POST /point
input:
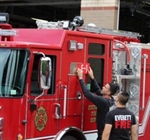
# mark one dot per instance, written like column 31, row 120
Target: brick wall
column 103, row 13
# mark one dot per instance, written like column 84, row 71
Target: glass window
column 35, row 88
column 96, row 49
column 13, row 69
column 97, row 65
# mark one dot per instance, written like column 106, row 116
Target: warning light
column 4, row 17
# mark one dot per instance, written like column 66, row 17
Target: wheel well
column 77, row 134
column 71, row 131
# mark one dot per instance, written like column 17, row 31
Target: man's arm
column 94, row 85
column 106, row 132
column 98, row 101
column 134, row 132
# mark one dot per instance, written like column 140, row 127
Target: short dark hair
column 123, row 97
column 114, row 88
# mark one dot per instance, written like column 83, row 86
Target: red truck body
column 61, row 112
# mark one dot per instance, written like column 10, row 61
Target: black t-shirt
column 97, row 99
column 121, row 120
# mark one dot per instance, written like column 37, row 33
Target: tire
column 67, row 137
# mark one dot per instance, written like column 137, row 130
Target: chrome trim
column 1, row 135
column 1, row 123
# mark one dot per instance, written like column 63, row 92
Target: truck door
column 41, row 119
column 13, row 71
column 71, row 99
column 98, row 55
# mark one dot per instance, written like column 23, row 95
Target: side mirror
column 45, row 72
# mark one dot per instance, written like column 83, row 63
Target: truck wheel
column 67, row 137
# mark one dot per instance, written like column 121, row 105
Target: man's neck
column 107, row 96
column 120, row 105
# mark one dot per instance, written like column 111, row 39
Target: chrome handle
column 57, row 111
column 145, row 56
column 65, row 101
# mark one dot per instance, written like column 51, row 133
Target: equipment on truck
column 40, row 95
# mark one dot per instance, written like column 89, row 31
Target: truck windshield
column 13, row 68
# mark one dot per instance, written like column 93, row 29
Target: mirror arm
column 39, row 96
column 35, row 52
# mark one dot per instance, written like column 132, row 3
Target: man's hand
column 79, row 73
column 90, row 72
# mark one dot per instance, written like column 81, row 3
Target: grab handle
column 65, row 101
column 145, row 56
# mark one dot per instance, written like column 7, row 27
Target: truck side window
column 13, row 69
column 97, row 65
column 35, row 88
column 95, row 51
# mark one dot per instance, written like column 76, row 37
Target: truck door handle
column 57, row 111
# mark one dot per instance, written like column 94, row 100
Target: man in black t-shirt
column 120, row 123
column 103, row 99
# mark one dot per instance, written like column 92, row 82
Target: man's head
column 122, row 97
column 114, row 88
column 110, row 89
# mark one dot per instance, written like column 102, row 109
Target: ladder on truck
column 99, row 30
column 93, row 29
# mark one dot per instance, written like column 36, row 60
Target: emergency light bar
column 4, row 32
column 41, row 24
column 4, row 17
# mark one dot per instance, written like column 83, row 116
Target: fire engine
column 40, row 95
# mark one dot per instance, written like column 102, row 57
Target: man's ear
column 108, row 93
column 116, row 98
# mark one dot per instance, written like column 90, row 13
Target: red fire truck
column 40, row 95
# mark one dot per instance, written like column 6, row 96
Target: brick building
column 103, row 13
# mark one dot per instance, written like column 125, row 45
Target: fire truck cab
column 40, row 95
